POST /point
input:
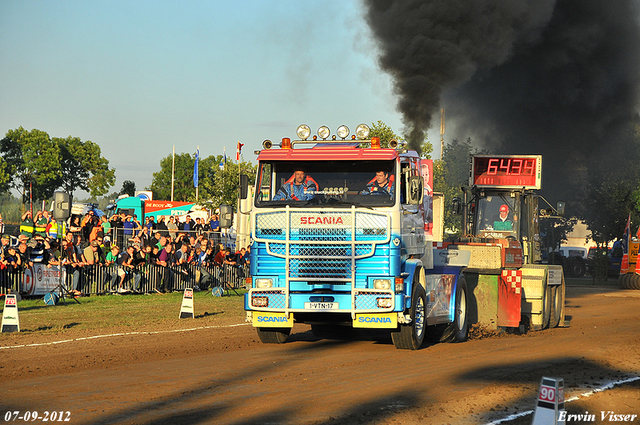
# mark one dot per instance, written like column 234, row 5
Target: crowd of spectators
column 172, row 246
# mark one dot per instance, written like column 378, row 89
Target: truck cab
column 339, row 241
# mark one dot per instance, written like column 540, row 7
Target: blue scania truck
column 340, row 240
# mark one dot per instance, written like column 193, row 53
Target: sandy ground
column 224, row 375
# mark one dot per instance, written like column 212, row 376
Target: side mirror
column 416, row 190
column 226, row 216
column 456, row 206
column 244, row 186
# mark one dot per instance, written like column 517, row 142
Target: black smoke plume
column 557, row 78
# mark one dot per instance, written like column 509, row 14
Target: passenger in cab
column 381, row 184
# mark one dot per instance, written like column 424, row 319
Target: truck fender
column 409, row 270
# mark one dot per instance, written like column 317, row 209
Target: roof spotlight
column 303, row 132
column 343, row 132
column 324, row 132
column 362, row 131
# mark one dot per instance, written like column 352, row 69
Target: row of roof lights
column 362, row 132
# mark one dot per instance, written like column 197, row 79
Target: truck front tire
column 411, row 335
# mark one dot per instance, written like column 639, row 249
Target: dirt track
column 224, row 375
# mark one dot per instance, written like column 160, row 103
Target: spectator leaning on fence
column 90, row 254
column 165, row 260
column 72, row 262
column 38, row 253
column 5, row 241
column 12, row 260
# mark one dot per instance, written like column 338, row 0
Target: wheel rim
column 419, row 319
column 462, row 311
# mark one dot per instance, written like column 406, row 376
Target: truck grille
column 320, row 244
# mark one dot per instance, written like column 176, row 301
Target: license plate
column 321, row 306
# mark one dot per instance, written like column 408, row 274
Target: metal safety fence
column 99, row 279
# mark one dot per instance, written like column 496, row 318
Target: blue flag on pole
column 223, row 160
column 195, row 169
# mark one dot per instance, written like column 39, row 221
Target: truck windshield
column 310, row 184
column 497, row 216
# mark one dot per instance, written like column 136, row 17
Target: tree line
column 35, row 165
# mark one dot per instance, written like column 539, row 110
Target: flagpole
column 197, row 158
column 173, row 170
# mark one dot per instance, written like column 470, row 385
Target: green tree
column 128, row 188
column 611, row 192
column 449, row 175
column 223, row 188
column 31, row 158
column 183, row 189
column 426, row 149
column 83, row 167
column 384, row 132
column 215, row 185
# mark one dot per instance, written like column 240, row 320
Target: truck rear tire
column 557, row 302
column 273, row 335
column 410, row 336
column 458, row 330
column 621, row 281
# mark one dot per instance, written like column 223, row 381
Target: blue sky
column 139, row 77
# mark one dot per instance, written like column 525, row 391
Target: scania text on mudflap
column 341, row 238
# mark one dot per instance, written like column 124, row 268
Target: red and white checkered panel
column 514, row 278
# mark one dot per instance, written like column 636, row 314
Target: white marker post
column 186, row 310
column 10, row 320
column 550, row 402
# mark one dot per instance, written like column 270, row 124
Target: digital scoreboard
column 506, row 171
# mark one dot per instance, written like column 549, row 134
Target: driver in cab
column 503, row 223
column 299, row 187
column 381, row 184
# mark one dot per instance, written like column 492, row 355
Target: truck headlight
column 362, row 131
column 324, row 132
column 264, row 282
column 343, row 132
column 382, row 284
column 303, row 132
